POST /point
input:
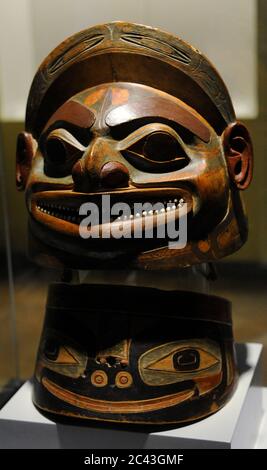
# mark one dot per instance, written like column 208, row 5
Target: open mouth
column 61, row 210
column 114, row 407
column 70, row 214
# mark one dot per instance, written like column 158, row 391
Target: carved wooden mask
column 136, row 113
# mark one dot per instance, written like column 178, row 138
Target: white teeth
column 71, row 214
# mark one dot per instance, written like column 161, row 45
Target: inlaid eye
column 60, row 150
column 157, row 152
column 56, row 151
column 51, row 349
column 161, row 147
column 186, row 359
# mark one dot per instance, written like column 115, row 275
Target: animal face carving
column 144, row 367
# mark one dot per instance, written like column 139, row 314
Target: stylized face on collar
column 144, row 367
column 136, row 144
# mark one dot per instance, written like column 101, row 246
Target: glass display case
column 238, row 49
column 9, row 361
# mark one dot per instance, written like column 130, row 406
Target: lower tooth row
column 57, row 215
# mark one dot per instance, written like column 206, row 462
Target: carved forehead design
column 114, row 104
column 74, row 113
column 119, row 94
column 125, row 52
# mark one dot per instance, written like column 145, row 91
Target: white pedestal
column 235, row 426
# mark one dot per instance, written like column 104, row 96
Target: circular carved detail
column 123, row 380
column 99, row 378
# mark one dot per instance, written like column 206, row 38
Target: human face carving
column 136, row 144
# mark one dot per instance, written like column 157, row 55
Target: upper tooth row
column 59, row 207
column 170, row 207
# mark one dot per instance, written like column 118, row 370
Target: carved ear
column 26, row 147
column 239, row 154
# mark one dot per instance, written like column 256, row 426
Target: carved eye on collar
column 179, row 361
column 60, row 150
column 61, row 356
column 157, row 152
column 51, row 349
column 187, row 359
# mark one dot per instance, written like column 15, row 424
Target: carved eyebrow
column 74, row 113
column 159, row 108
column 123, row 130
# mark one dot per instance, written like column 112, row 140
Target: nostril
column 77, row 174
column 114, row 174
column 77, row 170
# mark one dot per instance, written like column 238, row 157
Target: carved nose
column 114, row 175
